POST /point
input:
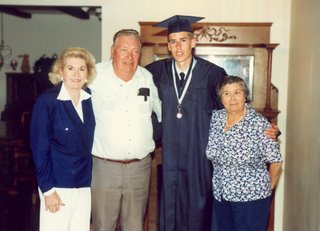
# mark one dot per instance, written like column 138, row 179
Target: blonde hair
column 76, row 52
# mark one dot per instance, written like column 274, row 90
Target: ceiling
column 26, row 12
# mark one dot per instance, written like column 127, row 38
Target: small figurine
column 25, row 67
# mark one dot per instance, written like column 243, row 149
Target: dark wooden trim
column 15, row 12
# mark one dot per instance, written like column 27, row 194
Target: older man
column 124, row 97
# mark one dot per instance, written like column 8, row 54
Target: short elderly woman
column 62, row 131
column 240, row 152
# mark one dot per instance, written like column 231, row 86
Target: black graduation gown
column 186, row 198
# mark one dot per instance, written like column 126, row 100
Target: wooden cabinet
column 22, row 91
column 21, row 88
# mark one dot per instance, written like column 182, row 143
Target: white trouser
column 73, row 216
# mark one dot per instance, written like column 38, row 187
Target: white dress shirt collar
column 64, row 94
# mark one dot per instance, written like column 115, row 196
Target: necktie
column 181, row 82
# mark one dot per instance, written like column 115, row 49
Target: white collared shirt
column 64, row 96
column 123, row 118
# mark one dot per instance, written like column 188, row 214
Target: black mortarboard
column 178, row 23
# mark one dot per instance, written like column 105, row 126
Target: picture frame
column 238, row 65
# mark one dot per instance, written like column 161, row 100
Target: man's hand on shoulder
column 273, row 132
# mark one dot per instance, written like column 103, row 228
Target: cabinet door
column 21, row 88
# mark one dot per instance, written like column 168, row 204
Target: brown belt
column 118, row 161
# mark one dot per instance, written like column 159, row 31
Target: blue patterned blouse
column 239, row 157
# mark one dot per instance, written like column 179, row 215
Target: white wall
column 302, row 181
column 118, row 14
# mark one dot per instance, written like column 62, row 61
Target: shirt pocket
column 66, row 136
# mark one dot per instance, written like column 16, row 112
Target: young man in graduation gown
column 187, row 87
column 186, row 200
